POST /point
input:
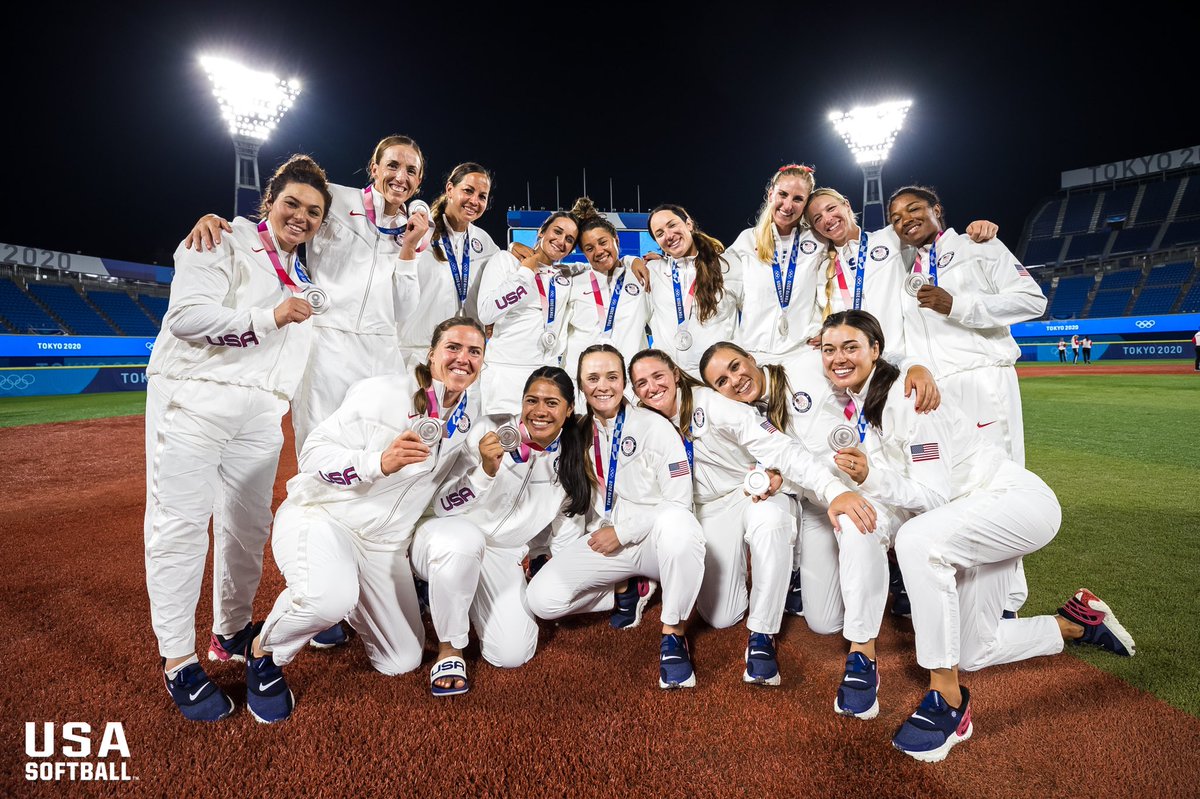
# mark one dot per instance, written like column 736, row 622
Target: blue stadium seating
column 1155, row 300
column 157, row 306
column 72, row 309
column 1109, row 303
column 1047, row 217
column 1156, row 202
column 131, row 319
column 1189, row 204
column 1136, row 239
column 22, row 312
column 1070, row 296
column 1169, row 274
column 1191, row 300
column 1043, row 251
column 1182, row 232
column 1117, row 203
column 1087, row 245
column 1078, row 218
column 1126, row 279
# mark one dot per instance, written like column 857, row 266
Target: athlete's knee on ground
column 510, row 651
column 547, row 597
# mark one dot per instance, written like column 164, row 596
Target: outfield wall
column 1118, row 338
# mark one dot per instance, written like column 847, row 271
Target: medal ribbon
column 611, row 483
column 264, row 235
column 369, row 207
column 549, row 306
column 783, row 289
column 861, row 422
column 612, row 301
column 452, row 421
column 932, row 261
column 682, row 311
column 521, row 453
column 860, row 272
column 461, row 279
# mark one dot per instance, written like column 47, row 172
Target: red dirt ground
column 1112, row 368
column 584, row 718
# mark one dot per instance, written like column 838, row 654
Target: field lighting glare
column 251, row 102
column 870, row 131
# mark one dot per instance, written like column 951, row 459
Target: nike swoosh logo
column 985, row 424
column 754, row 652
column 671, row 658
column 262, row 686
column 356, row 213
column 854, row 679
column 192, row 697
column 260, row 249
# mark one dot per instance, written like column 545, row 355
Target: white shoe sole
column 939, row 754
column 1114, row 626
column 690, row 682
column 866, row 715
column 746, row 678
column 260, row 720
column 214, row 657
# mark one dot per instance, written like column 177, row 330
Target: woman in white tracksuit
column 978, row 512
column 233, row 346
column 341, row 537
column 487, row 513
column 449, row 270
column 696, row 288
column 526, row 303
column 365, row 260
column 640, row 522
column 726, row 441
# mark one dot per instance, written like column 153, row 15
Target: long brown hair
column 438, row 210
column 885, row 372
column 683, row 380
column 710, row 283
column 780, row 394
column 422, row 371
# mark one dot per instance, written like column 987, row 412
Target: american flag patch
column 770, row 428
column 679, row 469
column 924, row 452
column 1022, row 271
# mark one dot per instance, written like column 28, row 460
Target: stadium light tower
column 869, row 133
column 252, row 103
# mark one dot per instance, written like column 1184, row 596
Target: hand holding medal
column 405, row 449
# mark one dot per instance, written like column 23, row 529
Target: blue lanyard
column 933, row 262
column 678, row 291
column 461, row 281
column 552, row 308
column 453, row 420
column 516, row 453
column 612, row 303
column 689, row 445
column 300, row 273
column 860, row 270
column 369, row 207
column 610, row 482
column 783, row 290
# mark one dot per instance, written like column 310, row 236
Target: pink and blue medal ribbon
column 264, row 235
column 454, row 418
column 610, row 482
column 861, row 422
column 612, row 300
column 369, row 207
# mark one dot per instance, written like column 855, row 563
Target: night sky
column 114, row 145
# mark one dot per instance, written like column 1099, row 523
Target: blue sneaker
column 233, row 647
column 675, row 663
column 900, row 604
column 934, row 728
column 1100, row 626
column 858, row 695
column 794, row 604
column 631, row 602
column 329, row 638
column 196, row 696
column 422, row 587
column 1008, row 614
column 762, row 668
column 268, row 697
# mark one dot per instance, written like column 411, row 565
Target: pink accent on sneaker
column 215, row 650
column 965, row 724
column 643, row 586
column 1079, row 608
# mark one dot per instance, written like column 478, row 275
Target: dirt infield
column 1105, row 368
column 584, row 718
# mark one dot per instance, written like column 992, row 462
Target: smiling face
column 457, row 357
column 656, row 385
column 295, row 215
column 396, row 175
column 787, row 200
column 915, row 221
column 544, row 411
column 468, row 199
column 602, row 380
column 600, row 247
column 848, row 357
column 673, row 234
column 557, row 239
column 734, row 375
column 832, row 219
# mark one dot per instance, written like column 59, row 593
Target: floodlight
column 869, row 133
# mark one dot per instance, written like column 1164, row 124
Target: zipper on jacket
column 517, row 501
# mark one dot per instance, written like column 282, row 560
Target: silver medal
column 429, row 431
column 683, row 341
column 783, row 326
column 757, row 482
column 510, row 437
column 547, row 341
column 913, row 283
column 607, row 522
column 842, row 436
column 316, row 298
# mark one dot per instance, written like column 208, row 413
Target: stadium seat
column 1080, row 208
column 1169, row 274
column 1087, row 245
column 1109, row 303
column 1046, row 219
column 72, row 309
column 1156, row 202
column 1070, row 296
column 1126, row 279
column 1135, row 239
column 1042, row 251
column 1117, row 203
column 157, row 306
column 23, row 313
column 1155, row 300
column 1181, row 232
column 1189, row 204
column 127, row 316
column 1191, row 300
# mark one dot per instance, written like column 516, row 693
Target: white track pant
column 333, row 574
column 579, row 580
column 471, row 582
column 207, row 444
column 339, row 360
column 958, row 562
column 731, row 525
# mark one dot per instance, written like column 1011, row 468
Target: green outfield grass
column 1123, row 454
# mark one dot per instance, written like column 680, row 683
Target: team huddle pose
column 493, row 437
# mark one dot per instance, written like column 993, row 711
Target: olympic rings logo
column 15, row 382
column 1145, row 324
column 150, row 345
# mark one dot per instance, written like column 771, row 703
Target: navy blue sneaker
column 535, row 565
column 1100, row 626
column 935, row 727
column 762, row 667
column 422, row 587
column 794, row 604
column 196, row 696
column 268, row 697
column 329, row 638
column 675, row 663
column 1008, row 614
column 233, row 647
column 858, row 695
column 900, row 604
column 631, row 602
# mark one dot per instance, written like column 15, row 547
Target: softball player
column 726, row 441
column 696, row 289
column 487, row 513
column 640, row 523
column 231, row 353
column 342, row 535
column 978, row 513
column 449, row 270
column 526, row 303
